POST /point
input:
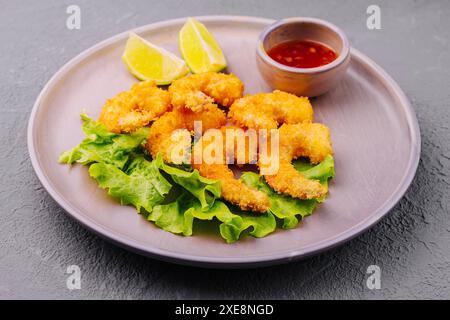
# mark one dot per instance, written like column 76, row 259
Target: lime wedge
column 149, row 62
column 199, row 49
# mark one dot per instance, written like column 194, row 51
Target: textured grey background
column 38, row 240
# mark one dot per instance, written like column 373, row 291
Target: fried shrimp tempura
column 233, row 190
column 162, row 138
column 196, row 91
column 269, row 110
column 136, row 108
column 311, row 140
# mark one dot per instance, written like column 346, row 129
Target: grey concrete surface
column 38, row 240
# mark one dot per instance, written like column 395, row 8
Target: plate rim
column 230, row 262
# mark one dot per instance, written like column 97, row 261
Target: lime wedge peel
column 199, row 49
column 147, row 61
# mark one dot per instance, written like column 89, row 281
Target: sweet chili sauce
column 302, row 54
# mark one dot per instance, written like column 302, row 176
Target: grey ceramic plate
column 374, row 130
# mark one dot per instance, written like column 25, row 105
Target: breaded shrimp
column 136, row 108
column 310, row 140
column 233, row 190
column 162, row 138
column 269, row 110
column 196, row 91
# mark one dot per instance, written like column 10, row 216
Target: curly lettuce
column 284, row 207
column 175, row 197
column 178, row 217
column 135, row 188
column 100, row 145
column 204, row 190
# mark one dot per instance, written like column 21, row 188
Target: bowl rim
column 343, row 56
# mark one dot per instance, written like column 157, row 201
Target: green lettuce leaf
column 144, row 186
column 178, row 217
column 323, row 171
column 173, row 197
column 100, row 145
column 284, row 207
column 258, row 224
column 205, row 190
column 141, row 168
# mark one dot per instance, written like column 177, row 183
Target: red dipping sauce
column 302, row 54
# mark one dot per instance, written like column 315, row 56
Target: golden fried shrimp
column 233, row 190
column 196, row 91
column 269, row 110
column 136, row 108
column 310, row 140
column 172, row 129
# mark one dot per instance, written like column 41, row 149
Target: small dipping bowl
column 310, row 82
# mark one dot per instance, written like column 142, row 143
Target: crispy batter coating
column 233, row 190
column 269, row 110
column 196, row 91
column 136, row 108
column 310, row 140
column 161, row 139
